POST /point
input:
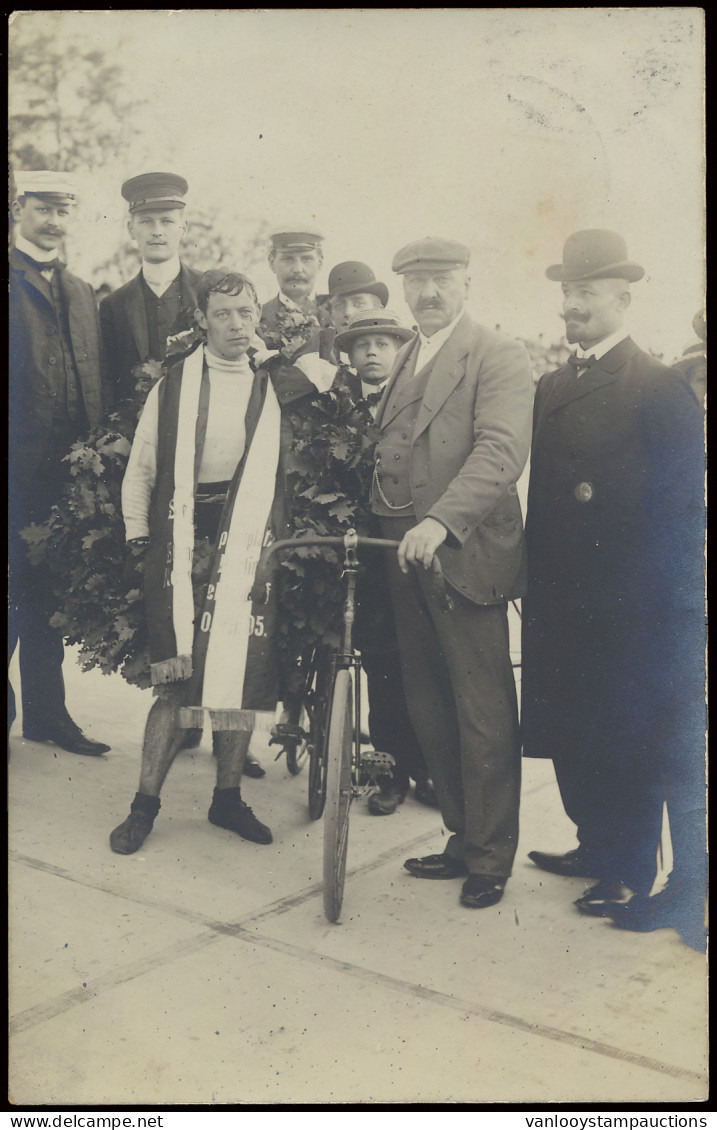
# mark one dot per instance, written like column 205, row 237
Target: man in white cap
column 454, row 437
column 56, row 394
column 613, row 620
column 295, row 258
column 159, row 301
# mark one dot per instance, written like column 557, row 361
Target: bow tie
column 578, row 363
column 49, row 265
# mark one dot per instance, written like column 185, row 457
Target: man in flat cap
column 295, row 258
column 159, row 301
column 56, row 394
column 454, row 436
column 613, row 621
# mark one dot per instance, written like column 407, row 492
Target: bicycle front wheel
column 338, row 794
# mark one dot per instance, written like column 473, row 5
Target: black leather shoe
column 229, row 811
column 387, row 799
column 669, row 910
column 601, row 900
column 425, row 794
column 131, row 834
column 67, row 735
column 436, row 867
column 252, row 768
column 480, row 891
column 571, row 865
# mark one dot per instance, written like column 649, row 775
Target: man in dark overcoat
column 614, row 607
column 454, row 438
column 137, row 318
column 56, row 394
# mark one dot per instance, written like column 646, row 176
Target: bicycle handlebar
column 349, row 541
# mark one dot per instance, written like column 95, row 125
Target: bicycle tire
column 316, row 701
column 338, row 793
column 297, row 754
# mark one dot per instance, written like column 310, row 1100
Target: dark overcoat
column 34, row 360
column 614, row 530
column 123, row 318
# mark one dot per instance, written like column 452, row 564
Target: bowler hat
column 372, row 322
column 45, row 182
column 595, row 254
column 431, row 254
column 151, row 191
column 355, row 278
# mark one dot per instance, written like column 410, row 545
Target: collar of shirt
column 220, row 364
column 291, row 305
column 369, row 390
column 602, row 347
column 160, row 276
column 430, row 345
column 37, row 253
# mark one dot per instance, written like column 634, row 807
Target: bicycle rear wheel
column 338, row 794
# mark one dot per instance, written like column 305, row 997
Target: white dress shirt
column 602, row 347
column 430, row 345
column 37, row 253
column 160, row 276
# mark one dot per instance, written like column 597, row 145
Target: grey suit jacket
column 469, row 447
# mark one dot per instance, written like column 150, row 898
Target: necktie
column 40, row 266
column 578, row 363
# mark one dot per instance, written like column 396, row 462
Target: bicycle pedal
column 285, row 731
column 377, row 764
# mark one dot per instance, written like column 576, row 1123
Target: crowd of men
column 609, row 567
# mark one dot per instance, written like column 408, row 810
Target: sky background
column 506, row 129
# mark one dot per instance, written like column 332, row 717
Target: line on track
column 213, row 930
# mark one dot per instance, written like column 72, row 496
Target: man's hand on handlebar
column 420, row 544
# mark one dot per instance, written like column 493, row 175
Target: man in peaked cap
column 295, row 258
column 159, row 301
column 454, row 436
column 139, row 317
column 613, row 620
column 56, row 394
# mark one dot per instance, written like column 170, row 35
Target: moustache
column 430, row 304
column 575, row 317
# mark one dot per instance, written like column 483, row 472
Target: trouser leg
column 389, row 721
column 462, row 700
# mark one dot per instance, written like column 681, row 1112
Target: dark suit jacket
column 269, row 326
column 615, row 532
column 468, row 449
column 34, row 355
column 123, row 320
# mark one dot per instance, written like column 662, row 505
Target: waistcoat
column 394, row 446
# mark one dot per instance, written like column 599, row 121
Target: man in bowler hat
column 613, row 620
column 454, row 436
column 56, row 394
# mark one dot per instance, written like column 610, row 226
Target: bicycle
column 346, row 771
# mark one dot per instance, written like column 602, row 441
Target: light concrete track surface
column 202, row 970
